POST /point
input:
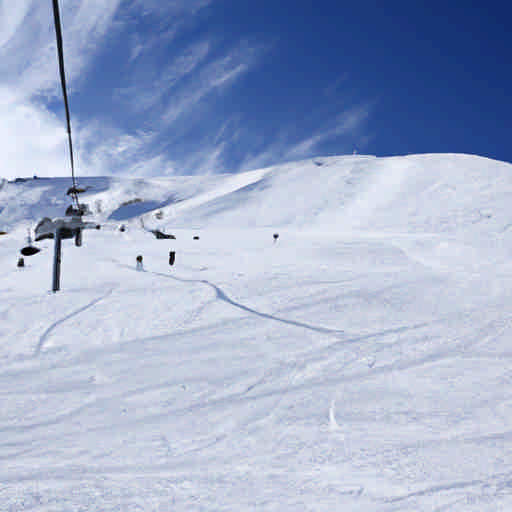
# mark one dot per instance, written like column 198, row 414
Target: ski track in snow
column 20, row 428
column 60, row 321
column 221, row 295
column 436, row 489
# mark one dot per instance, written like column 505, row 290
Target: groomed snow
column 362, row 362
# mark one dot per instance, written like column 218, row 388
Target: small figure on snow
column 276, row 236
column 139, row 263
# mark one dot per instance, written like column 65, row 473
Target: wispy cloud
column 32, row 137
column 32, row 140
column 214, row 77
column 147, row 92
column 285, row 148
column 107, row 150
column 28, row 53
column 175, row 7
column 346, row 122
column 179, row 11
column 152, row 87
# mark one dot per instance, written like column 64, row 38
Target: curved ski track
column 221, row 295
column 46, row 334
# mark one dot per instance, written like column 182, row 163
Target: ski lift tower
column 61, row 229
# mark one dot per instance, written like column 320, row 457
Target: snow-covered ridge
column 419, row 193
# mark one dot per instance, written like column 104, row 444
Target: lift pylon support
column 60, row 229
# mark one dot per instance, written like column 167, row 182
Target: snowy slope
column 361, row 363
column 421, row 193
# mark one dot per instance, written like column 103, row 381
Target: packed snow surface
column 360, row 362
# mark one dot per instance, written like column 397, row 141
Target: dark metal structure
column 58, row 230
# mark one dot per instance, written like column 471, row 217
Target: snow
column 360, row 363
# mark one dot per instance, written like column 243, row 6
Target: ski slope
column 360, row 363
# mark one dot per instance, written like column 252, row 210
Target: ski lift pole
column 58, row 230
column 57, row 257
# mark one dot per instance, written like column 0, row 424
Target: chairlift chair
column 82, row 209
column 74, row 190
column 61, row 229
column 160, row 235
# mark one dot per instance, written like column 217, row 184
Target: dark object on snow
column 276, row 236
column 21, row 262
column 82, row 209
column 196, row 238
column 160, row 235
column 139, row 262
column 77, row 190
column 131, row 201
column 30, row 250
column 3, row 232
column 172, row 257
column 122, row 228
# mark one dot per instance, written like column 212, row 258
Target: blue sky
column 198, row 86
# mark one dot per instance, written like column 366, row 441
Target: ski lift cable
column 60, row 51
column 72, row 225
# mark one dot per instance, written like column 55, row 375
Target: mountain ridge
column 423, row 193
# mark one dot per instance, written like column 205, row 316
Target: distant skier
column 139, row 266
column 172, row 257
column 276, row 236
